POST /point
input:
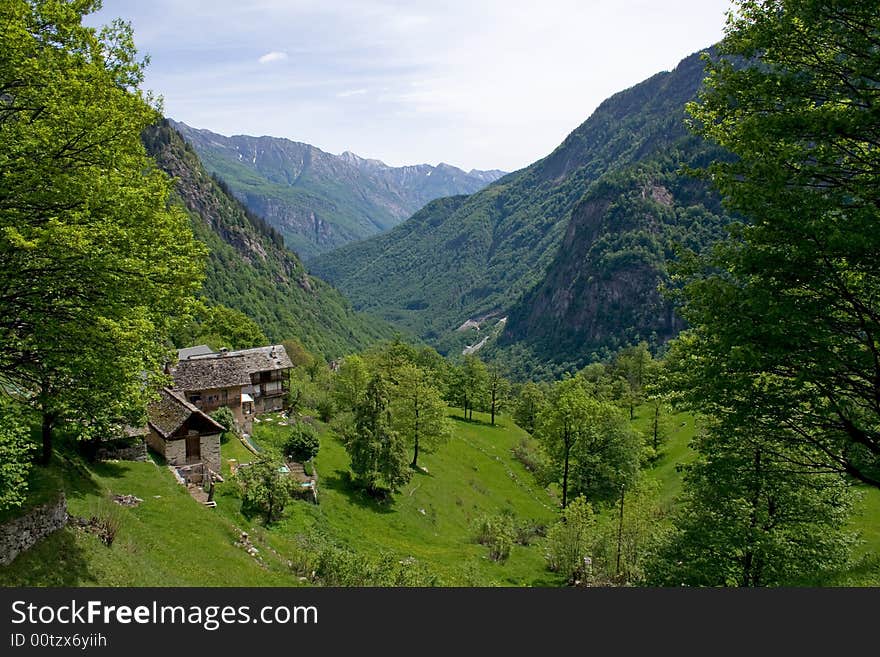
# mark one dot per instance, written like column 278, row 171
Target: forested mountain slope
column 476, row 257
column 250, row 270
column 317, row 200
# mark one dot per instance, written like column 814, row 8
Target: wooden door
column 193, row 450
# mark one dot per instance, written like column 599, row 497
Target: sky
column 486, row 84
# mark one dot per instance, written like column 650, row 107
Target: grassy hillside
column 431, row 519
column 170, row 540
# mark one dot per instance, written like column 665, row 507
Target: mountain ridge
column 319, row 200
column 477, row 256
column 249, row 269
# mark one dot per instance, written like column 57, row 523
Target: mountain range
column 319, row 201
column 558, row 263
column 250, row 270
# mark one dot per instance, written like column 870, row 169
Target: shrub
column 569, row 541
column 343, row 567
column 527, row 530
column 226, row 419
column 325, row 407
column 498, row 533
column 303, row 443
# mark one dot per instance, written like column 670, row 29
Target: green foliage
column 378, row 453
column 467, row 385
column 298, row 354
column 751, row 515
column 94, row 263
column 529, row 404
column 264, row 488
column 341, row 567
column 418, row 411
column 634, row 366
column 497, row 392
column 224, row 417
column 218, row 326
column 632, row 536
column 350, row 383
column 786, row 312
column 303, row 443
column 569, row 541
column 498, row 533
column 593, row 451
column 15, row 457
column 324, row 406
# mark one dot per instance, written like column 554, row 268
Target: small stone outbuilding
column 182, row 433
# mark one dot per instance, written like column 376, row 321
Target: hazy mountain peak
column 319, row 200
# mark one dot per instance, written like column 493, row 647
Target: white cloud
column 274, row 56
column 477, row 83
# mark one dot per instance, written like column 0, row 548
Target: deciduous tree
column 786, row 312
column 378, row 453
column 94, row 262
column 529, row 403
column 265, row 488
column 418, row 411
column 750, row 517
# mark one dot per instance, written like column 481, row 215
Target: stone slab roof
column 198, row 350
column 216, row 371
column 171, row 411
column 258, row 359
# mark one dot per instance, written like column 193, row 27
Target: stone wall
column 175, row 451
column 122, row 451
column 21, row 533
column 210, row 449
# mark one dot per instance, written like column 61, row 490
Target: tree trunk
column 415, row 461
column 620, row 529
column 748, row 578
column 565, row 475
column 494, row 393
column 48, row 423
column 656, row 427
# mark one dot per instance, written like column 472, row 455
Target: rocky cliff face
column 602, row 290
column 318, row 200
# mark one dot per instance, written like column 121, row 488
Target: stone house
column 211, row 381
column 269, row 372
column 182, row 433
column 247, row 381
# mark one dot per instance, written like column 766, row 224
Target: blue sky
column 475, row 83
